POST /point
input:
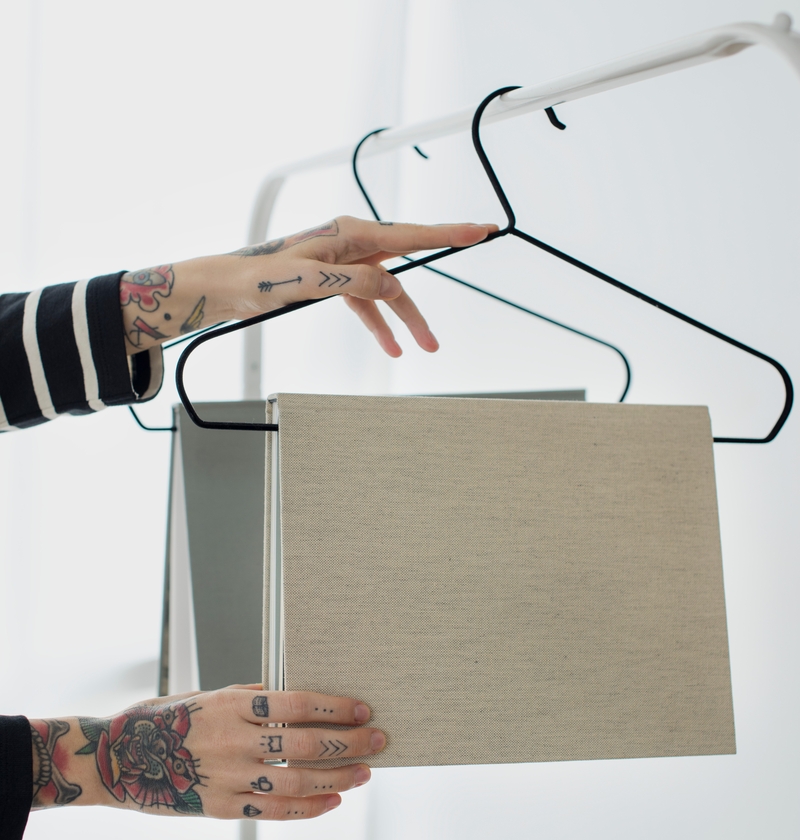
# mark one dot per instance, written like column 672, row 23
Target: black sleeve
column 62, row 350
column 16, row 776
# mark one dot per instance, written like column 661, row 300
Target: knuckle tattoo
column 262, row 784
column 261, row 706
column 271, row 743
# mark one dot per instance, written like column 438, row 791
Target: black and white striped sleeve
column 62, row 350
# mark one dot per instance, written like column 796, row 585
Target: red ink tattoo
column 143, row 286
column 141, row 756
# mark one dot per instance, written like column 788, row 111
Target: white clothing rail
column 695, row 49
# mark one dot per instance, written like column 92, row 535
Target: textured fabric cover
column 507, row 581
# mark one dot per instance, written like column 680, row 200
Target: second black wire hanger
column 558, row 124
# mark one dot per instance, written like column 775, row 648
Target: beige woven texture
column 507, row 581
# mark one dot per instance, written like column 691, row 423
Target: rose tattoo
column 140, row 756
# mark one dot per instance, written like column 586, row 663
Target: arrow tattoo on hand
column 268, row 285
column 333, row 748
column 338, row 279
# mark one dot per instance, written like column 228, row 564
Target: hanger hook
column 354, row 164
column 484, row 159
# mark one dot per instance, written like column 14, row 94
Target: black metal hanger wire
column 485, row 292
column 136, row 417
column 512, row 229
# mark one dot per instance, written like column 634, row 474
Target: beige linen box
column 503, row 580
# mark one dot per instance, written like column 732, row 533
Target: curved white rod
column 656, row 61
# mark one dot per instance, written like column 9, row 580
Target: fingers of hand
column 278, row 744
column 295, row 782
column 299, row 707
column 256, row 807
column 370, row 315
column 401, row 238
column 407, row 311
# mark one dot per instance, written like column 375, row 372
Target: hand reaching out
column 203, row 754
column 341, row 257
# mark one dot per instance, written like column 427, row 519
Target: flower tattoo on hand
column 141, row 287
column 140, row 756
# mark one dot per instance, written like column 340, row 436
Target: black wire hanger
column 373, row 209
column 167, row 346
column 511, row 229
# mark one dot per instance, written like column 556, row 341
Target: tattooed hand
column 206, row 754
column 341, row 257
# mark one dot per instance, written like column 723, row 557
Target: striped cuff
column 62, row 350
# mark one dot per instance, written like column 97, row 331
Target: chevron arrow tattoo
column 332, row 748
column 269, row 285
column 336, row 281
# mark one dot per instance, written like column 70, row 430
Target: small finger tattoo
column 275, row 743
column 263, row 784
column 250, row 810
column 339, row 278
column 261, row 706
column 332, row 748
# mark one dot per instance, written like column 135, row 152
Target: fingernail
column 361, row 713
column 377, row 741
column 362, row 776
column 387, row 285
column 333, row 802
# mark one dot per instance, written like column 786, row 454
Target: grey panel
column 224, row 486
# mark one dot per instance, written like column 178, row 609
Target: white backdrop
column 135, row 134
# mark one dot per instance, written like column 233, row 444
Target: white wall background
column 137, row 133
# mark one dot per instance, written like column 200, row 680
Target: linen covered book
column 500, row 580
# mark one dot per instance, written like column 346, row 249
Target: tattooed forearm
column 265, row 248
column 141, row 757
column 145, row 287
column 49, row 785
column 269, row 285
column 261, row 706
column 339, row 279
column 194, row 320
